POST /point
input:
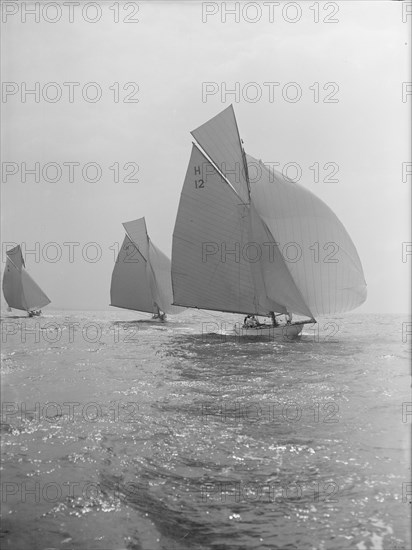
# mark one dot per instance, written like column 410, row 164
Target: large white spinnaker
column 161, row 281
column 280, row 287
column 19, row 289
column 316, row 247
column 141, row 278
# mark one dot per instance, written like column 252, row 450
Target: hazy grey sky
column 360, row 61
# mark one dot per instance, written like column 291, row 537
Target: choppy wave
column 124, row 433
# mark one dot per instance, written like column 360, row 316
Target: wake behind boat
column 19, row 289
column 257, row 246
column 141, row 277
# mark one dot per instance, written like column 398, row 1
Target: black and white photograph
column 206, row 260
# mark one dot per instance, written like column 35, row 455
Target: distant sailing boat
column 260, row 245
column 19, row 289
column 141, row 278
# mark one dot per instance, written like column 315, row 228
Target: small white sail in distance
column 19, row 289
column 141, row 278
column 220, row 215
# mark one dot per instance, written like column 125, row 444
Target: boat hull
column 284, row 332
column 34, row 312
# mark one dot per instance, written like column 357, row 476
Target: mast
column 245, row 167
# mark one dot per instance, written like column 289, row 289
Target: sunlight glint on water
column 156, row 436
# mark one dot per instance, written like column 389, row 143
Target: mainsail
column 19, row 289
column 213, row 245
column 141, row 277
column 258, row 247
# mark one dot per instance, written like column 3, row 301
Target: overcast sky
column 170, row 53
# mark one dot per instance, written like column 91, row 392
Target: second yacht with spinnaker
column 19, row 289
column 260, row 245
column 141, row 278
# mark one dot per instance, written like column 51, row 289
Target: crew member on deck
column 274, row 320
column 156, row 313
column 250, row 321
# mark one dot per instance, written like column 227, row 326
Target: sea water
column 120, row 432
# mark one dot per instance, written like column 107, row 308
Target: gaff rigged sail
column 254, row 247
column 141, row 277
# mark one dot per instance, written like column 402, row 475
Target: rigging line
column 220, row 320
column 211, row 314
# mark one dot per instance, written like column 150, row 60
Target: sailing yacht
column 260, row 245
column 141, row 276
column 19, row 289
